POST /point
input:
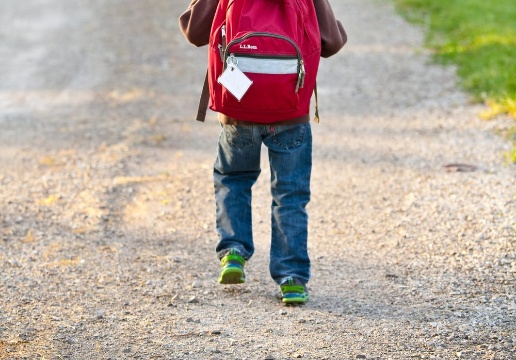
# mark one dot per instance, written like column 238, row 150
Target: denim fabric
column 237, row 168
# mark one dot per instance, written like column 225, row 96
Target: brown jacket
column 196, row 22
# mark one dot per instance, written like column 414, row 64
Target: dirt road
column 107, row 219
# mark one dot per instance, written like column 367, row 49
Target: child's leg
column 290, row 157
column 235, row 171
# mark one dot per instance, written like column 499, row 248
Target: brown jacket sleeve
column 333, row 36
column 195, row 24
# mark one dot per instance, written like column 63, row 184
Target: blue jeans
column 237, row 168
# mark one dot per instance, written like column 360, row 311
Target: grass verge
column 480, row 38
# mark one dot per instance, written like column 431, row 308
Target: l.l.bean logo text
column 248, row 47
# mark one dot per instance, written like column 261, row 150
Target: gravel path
column 106, row 219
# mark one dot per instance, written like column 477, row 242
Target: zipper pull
column 222, row 45
column 221, row 52
column 223, row 37
column 301, row 76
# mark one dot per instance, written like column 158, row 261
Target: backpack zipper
column 300, row 68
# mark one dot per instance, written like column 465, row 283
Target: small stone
column 196, row 284
column 269, row 357
column 361, row 357
column 283, row 312
column 100, row 314
column 193, row 300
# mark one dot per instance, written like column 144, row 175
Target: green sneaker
column 232, row 269
column 293, row 291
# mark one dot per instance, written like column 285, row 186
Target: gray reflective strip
column 267, row 66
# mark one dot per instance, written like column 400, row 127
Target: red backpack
column 263, row 59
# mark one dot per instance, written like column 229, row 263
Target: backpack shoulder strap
column 204, row 100
column 316, row 118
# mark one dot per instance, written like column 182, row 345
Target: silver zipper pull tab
column 222, row 45
column 221, row 52
column 301, row 76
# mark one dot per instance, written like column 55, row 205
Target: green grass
column 478, row 36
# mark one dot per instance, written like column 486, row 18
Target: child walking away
column 263, row 57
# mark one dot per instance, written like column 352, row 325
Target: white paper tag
column 235, row 81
